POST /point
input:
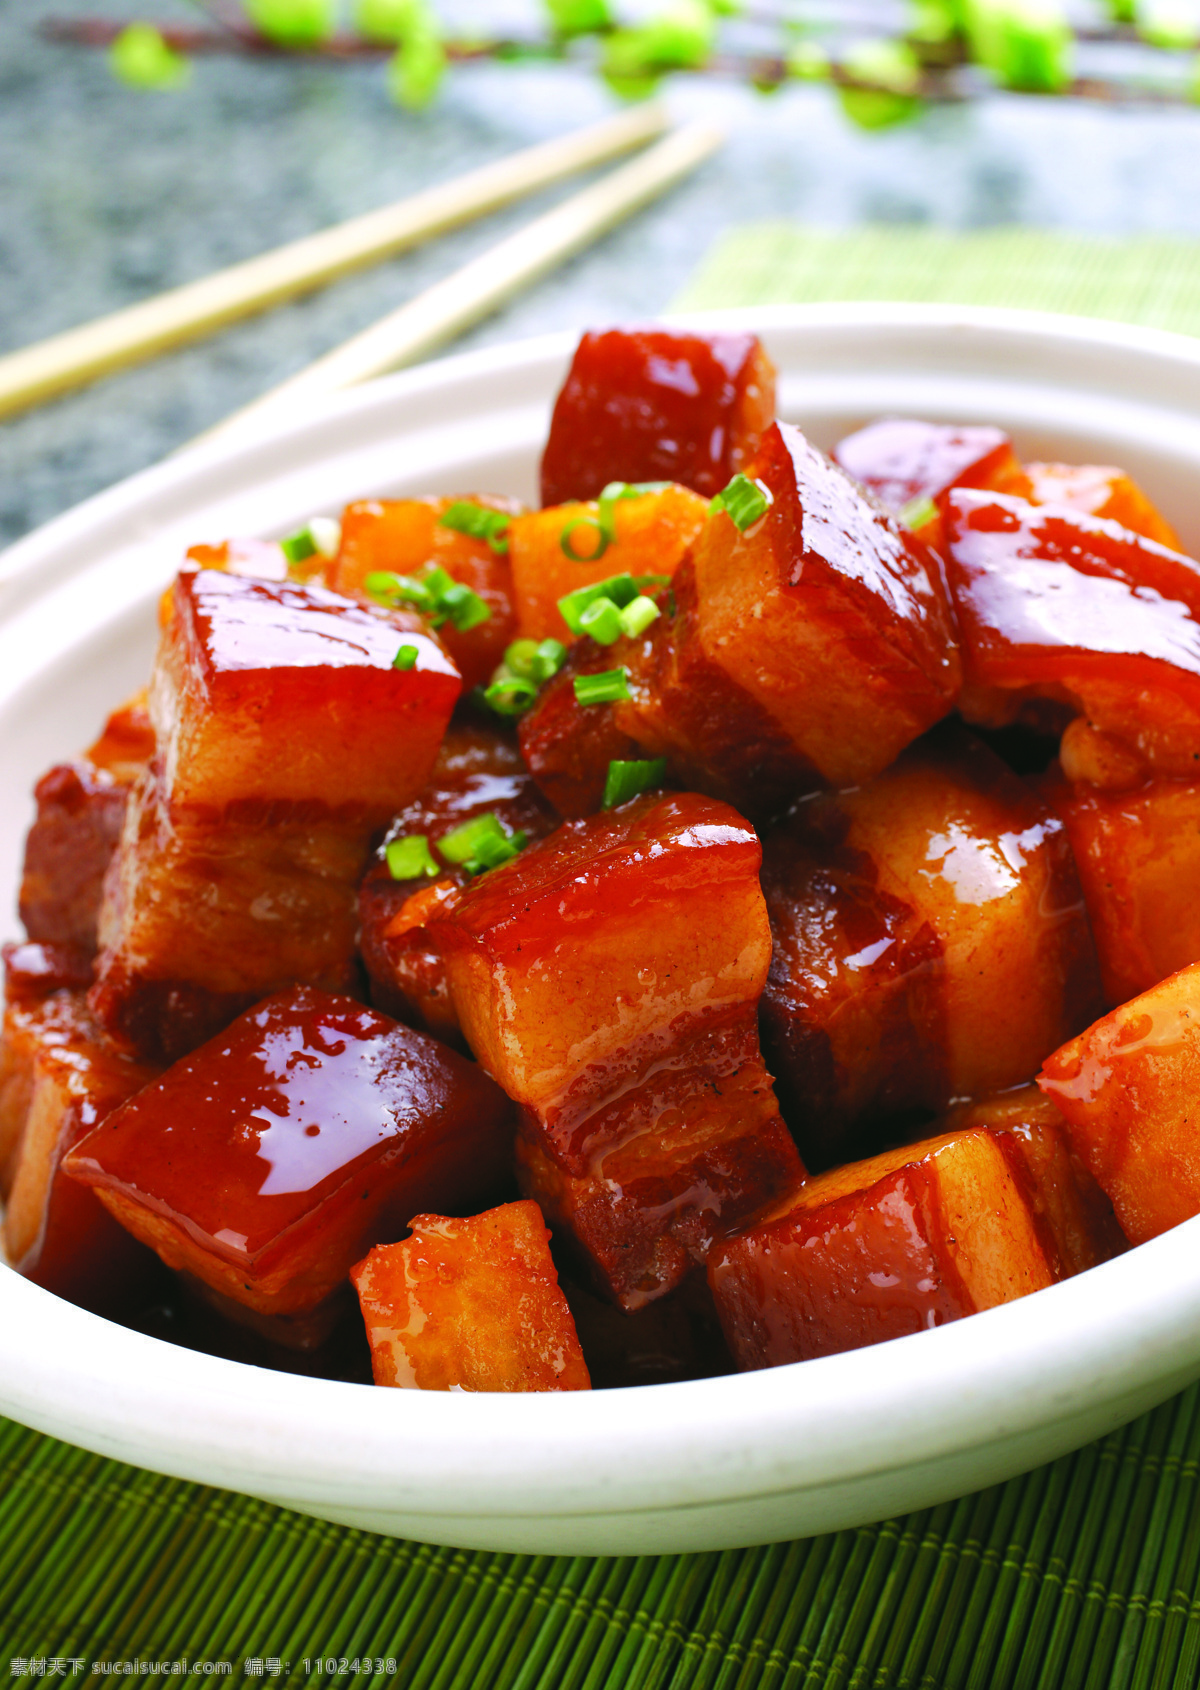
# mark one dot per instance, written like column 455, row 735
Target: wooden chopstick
column 479, row 287
column 79, row 355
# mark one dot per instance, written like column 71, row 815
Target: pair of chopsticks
column 69, row 360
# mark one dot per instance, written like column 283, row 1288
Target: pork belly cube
column 879, row 1249
column 1138, row 854
column 657, row 405
column 80, row 812
column 403, row 536
column 286, row 738
column 828, row 614
column 470, row 1305
column 565, row 547
column 269, row 692
column 608, row 978
column 1055, row 604
column 1127, row 1088
column 682, row 706
column 930, row 943
column 597, row 955
column 478, row 772
column 269, row 1161
column 32, row 973
column 706, row 1151
column 1077, row 1226
column 807, row 651
column 206, row 913
column 61, row 1078
column 1097, row 490
column 903, row 461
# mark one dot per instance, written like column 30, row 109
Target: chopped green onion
column 391, row 590
column 406, row 657
column 548, row 660
column 435, row 593
column 527, row 666
column 602, row 620
column 298, row 546
column 466, row 517
column 621, row 589
column 605, row 520
column 637, row 616
column 408, row 858
column 508, row 694
column 628, row 780
column 743, row 501
column 605, row 688
column 519, row 657
column 464, row 607
column 481, row 844
column 917, row 512
column 602, row 539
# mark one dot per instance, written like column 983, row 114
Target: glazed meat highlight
column 619, row 941
column 60, row 1078
column 930, row 943
column 609, row 979
column 649, row 405
column 811, row 643
column 268, row 1161
column 286, row 737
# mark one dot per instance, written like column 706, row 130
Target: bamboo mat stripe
column 1149, row 279
column 1084, row 1575
column 1080, row 1576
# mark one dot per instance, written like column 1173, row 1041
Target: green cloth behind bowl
column 1084, row 1575
column 1152, row 280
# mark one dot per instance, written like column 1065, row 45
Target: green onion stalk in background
column 882, row 73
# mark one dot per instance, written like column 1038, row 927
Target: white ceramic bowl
column 783, row 1453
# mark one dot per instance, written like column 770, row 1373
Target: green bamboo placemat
column 1153, row 280
column 1084, row 1575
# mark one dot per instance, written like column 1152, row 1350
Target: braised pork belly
column 711, row 957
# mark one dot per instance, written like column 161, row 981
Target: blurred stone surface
column 111, row 195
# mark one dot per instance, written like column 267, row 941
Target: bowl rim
column 792, row 1429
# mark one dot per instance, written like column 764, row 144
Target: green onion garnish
column 605, row 520
column 605, row 688
column 406, row 657
column 602, row 620
column 604, row 523
column 515, row 683
column 637, row 616
column 548, row 659
column 464, row 607
column 481, row 844
column 743, row 501
column 917, row 512
column 519, row 658
column 621, row 589
column 508, row 694
column 409, row 858
column 435, row 593
column 599, row 547
column 466, row 517
column 391, row 590
column 627, row 780
column 298, row 546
